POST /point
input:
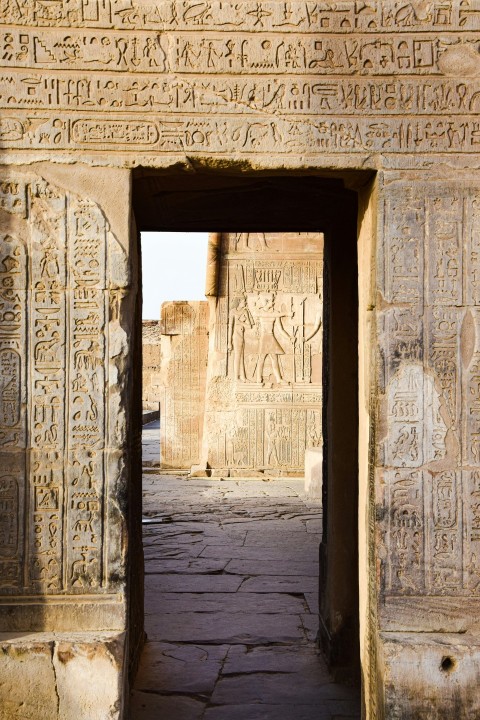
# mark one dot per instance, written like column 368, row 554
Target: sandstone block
column 76, row 676
column 429, row 675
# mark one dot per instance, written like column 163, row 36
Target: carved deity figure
column 49, row 266
column 267, row 317
column 240, row 320
column 273, row 437
column 250, row 241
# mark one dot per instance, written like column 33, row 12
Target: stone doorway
column 296, row 204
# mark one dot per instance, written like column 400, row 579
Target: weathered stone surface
column 184, row 328
column 430, row 675
column 47, row 675
column 265, row 364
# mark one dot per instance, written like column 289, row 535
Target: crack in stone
column 54, row 646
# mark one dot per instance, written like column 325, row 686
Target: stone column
column 184, row 339
column 66, row 307
column 424, row 642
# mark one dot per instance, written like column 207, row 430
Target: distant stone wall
column 184, row 328
column 152, row 358
column 264, row 392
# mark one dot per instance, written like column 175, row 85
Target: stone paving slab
column 289, row 659
column 231, row 602
column 184, row 566
column 272, row 567
column 169, row 668
column 272, row 583
column 224, row 627
column 254, row 552
column 153, row 706
column 193, row 583
column 248, row 603
column 272, row 712
column 276, row 688
column 151, row 443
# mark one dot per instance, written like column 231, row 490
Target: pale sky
column 173, row 268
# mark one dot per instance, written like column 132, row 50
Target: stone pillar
column 184, row 329
column 151, row 352
column 264, row 387
column 65, row 318
column 424, row 642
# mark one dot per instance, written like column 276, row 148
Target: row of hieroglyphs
column 260, row 134
column 254, row 53
column 287, row 96
column 430, row 329
column 291, row 16
column 54, row 430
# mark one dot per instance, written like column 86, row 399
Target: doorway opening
column 279, row 205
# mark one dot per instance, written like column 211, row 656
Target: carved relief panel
column 57, row 255
column 265, row 380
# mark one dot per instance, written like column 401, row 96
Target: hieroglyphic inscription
column 53, row 372
column 228, row 95
column 264, row 388
column 406, row 532
column 444, row 571
column 184, row 328
column 268, row 87
column 252, row 53
column 431, row 374
column 257, row 134
column 88, row 313
column 48, row 330
column 13, row 391
column 290, row 16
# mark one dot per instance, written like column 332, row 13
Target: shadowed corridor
column 231, row 601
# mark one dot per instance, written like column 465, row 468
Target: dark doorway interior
column 206, row 201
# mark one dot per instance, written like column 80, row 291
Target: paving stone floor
column 231, row 604
column 151, row 443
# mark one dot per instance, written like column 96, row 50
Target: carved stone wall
column 63, row 281
column 203, row 78
column 151, row 354
column 184, row 327
column 264, row 394
column 61, row 277
column 428, row 473
column 360, row 89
